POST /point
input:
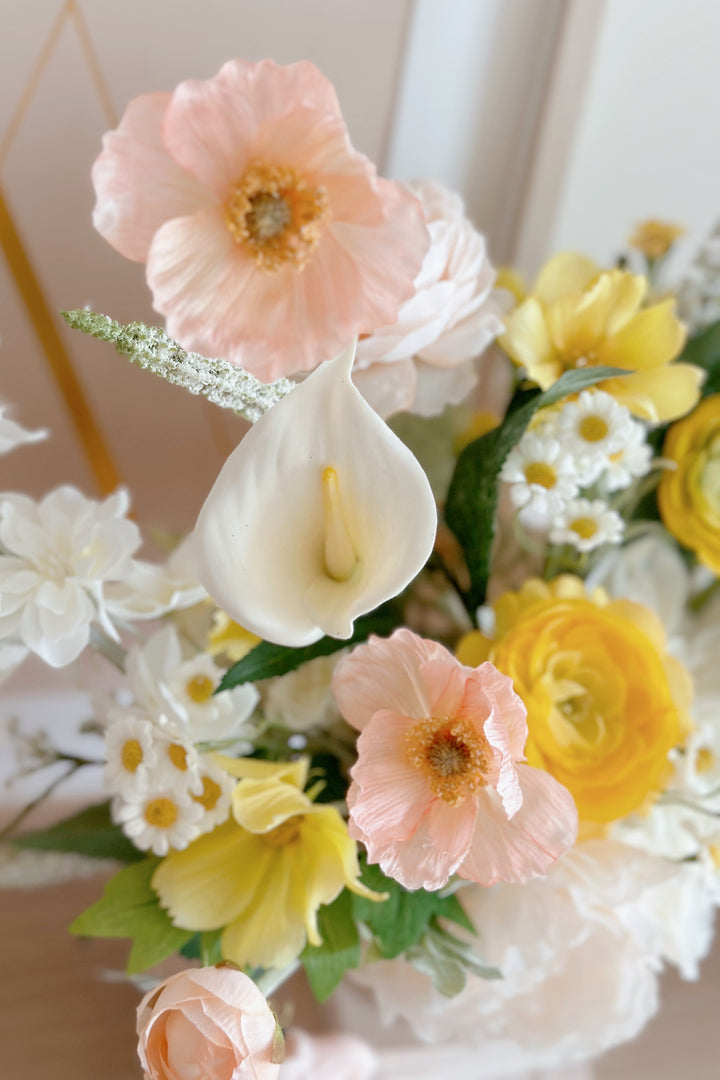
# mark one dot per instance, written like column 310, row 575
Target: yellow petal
column 650, row 340
column 288, row 772
column 473, row 649
column 526, row 341
column 567, row 274
column 271, row 931
column 576, row 324
column 660, row 395
column 213, row 880
column 261, row 805
column 628, row 293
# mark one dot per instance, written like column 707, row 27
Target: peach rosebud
column 209, row 1022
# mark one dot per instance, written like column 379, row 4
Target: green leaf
column 204, row 947
column 447, row 960
column 130, row 908
column 703, row 350
column 326, row 964
column 472, row 499
column 267, row 660
column 91, row 832
column 399, row 922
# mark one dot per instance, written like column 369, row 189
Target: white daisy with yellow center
column 216, row 795
column 130, row 750
column 592, row 429
column 542, row 477
column 587, row 524
column 161, row 819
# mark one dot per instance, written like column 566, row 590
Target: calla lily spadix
column 317, row 517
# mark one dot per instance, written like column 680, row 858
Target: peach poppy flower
column 439, row 786
column 268, row 239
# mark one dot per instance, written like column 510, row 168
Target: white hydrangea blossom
column 12, row 434
column 542, row 477
column 586, row 524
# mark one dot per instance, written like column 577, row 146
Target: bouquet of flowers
column 424, row 714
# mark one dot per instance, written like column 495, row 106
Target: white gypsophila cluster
column 66, row 564
column 604, row 908
column 12, row 434
column 684, row 822
column 698, row 294
column 591, row 445
column 165, row 793
column 150, row 348
column 425, row 359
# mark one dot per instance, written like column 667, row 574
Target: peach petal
column 212, row 126
column 499, row 688
column 129, row 209
column 446, row 683
column 389, row 795
column 527, row 845
column 427, row 858
column 385, row 673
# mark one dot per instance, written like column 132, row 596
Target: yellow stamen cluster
column 199, row 689
column 284, row 834
column 161, row 813
column 452, row 754
column 539, row 472
column 277, row 216
column 585, row 527
column 178, row 756
column 210, row 794
column 131, row 755
column 593, row 429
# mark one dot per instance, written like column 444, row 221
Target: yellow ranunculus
column 655, row 238
column 605, row 703
column 265, row 872
column 689, row 494
column 580, row 316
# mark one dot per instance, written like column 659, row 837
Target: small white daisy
column 216, row 796
column 159, row 819
column 177, row 759
column 130, row 749
column 632, row 461
column 592, row 428
column 587, row 525
column 542, row 477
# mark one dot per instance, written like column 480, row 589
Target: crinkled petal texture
column 261, row 540
column 210, row 1022
column 163, row 183
column 438, row 788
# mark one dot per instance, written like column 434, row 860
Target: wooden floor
column 59, row 1020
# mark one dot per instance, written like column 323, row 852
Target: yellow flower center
column 284, row 834
column 199, row 689
column 161, row 813
column 593, row 429
column 210, row 794
column 539, row 472
column 340, row 557
column 276, row 216
column 452, row 754
column 131, row 755
column 178, row 756
column 709, row 476
column 705, row 760
column 585, row 527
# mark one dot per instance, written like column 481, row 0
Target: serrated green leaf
column 91, row 832
column 326, row 964
column 130, row 908
column 703, row 350
column 472, row 499
column 399, row 922
column 267, row 660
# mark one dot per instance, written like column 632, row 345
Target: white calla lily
column 318, row 516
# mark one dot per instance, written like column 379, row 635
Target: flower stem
column 108, row 648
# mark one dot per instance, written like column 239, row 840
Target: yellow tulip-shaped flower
column 580, row 316
column 265, row 872
column 605, row 703
column 689, row 494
